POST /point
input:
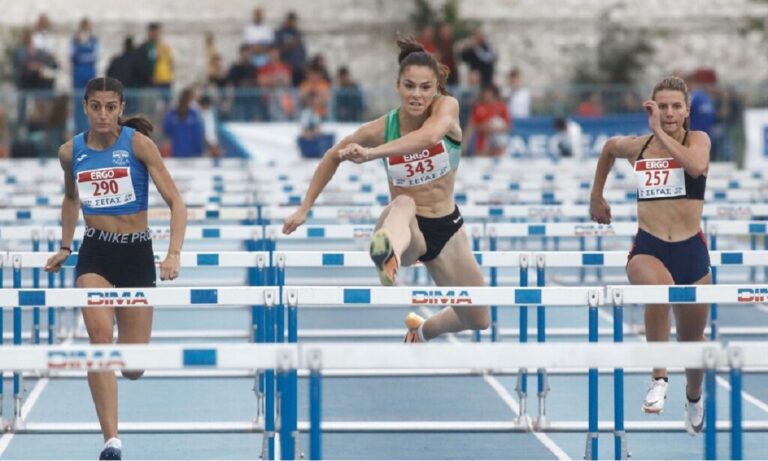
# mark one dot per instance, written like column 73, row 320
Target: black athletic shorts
column 437, row 232
column 125, row 260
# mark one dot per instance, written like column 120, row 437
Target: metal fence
column 37, row 122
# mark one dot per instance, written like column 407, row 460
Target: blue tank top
column 110, row 181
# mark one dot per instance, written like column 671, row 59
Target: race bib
column 659, row 178
column 105, row 187
column 423, row 167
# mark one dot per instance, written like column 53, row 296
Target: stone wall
column 545, row 38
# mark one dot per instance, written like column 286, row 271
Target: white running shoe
column 655, row 397
column 694, row 416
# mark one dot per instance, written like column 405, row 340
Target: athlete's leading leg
column 397, row 239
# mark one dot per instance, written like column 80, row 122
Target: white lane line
column 32, row 399
column 507, row 398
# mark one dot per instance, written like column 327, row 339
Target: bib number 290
column 105, row 187
column 423, row 166
column 656, row 178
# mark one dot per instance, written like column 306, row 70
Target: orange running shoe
column 384, row 257
column 413, row 321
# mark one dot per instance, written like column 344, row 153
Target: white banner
column 756, row 128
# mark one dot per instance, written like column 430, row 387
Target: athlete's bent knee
column 478, row 321
column 101, row 337
column 404, row 201
column 133, row 375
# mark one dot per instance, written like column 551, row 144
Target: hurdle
column 707, row 294
column 320, row 357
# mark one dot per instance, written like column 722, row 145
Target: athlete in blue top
column 106, row 173
column 419, row 145
column 671, row 166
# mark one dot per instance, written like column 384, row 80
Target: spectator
column 34, row 68
column 217, row 75
column 567, row 139
column 702, row 113
column 211, row 55
column 84, row 55
column 5, row 134
column 314, row 92
column 260, row 37
column 275, row 79
column 467, row 96
column 318, row 63
column 427, row 38
column 313, row 143
column 42, row 39
column 445, row 54
column 155, row 60
column 519, row 96
column 490, row 124
column 289, row 41
column 184, row 127
column 591, row 106
column 480, row 55
column 124, row 66
column 242, row 76
column 349, row 97
column 210, row 126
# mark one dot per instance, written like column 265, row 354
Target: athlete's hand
column 599, row 210
column 54, row 262
column 169, row 268
column 292, row 222
column 354, row 153
column 654, row 115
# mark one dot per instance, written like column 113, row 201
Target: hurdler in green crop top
column 430, row 164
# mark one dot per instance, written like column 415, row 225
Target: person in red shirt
column 490, row 124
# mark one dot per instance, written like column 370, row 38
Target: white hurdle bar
column 318, row 358
column 363, row 213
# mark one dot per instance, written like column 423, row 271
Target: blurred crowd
column 274, row 79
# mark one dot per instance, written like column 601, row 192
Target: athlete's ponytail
column 139, row 123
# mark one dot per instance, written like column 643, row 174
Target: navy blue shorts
column 687, row 261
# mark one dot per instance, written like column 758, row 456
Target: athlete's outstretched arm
column 444, row 117
column 70, row 210
column 615, row 147
column 368, row 134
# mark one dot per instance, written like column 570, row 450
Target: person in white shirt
column 519, row 102
column 260, row 37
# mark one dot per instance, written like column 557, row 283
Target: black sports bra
column 694, row 187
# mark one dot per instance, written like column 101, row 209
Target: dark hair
column 412, row 53
column 109, row 84
column 673, row 83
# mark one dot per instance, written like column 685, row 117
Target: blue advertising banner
column 537, row 137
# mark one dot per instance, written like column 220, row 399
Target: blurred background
column 271, row 78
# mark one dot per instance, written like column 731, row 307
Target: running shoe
column 384, row 258
column 655, row 397
column 694, row 416
column 110, row 453
column 413, row 321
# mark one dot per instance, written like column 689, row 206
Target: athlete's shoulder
column 65, row 150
